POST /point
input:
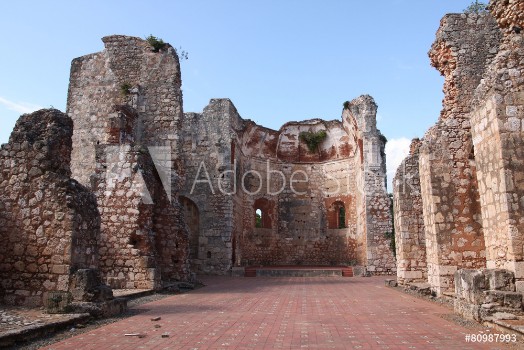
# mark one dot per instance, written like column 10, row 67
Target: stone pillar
column 373, row 211
column 409, row 221
column 498, row 136
column 464, row 46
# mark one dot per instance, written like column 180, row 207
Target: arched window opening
column 263, row 213
column 258, row 218
column 337, row 215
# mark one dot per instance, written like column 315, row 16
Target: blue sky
column 276, row 60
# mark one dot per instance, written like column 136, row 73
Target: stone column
column 498, row 136
column 409, row 221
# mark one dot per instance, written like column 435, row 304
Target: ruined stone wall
column 140, row 245
column 300, row 232
column 49, row 223
column 126, row 104
column 241, row 167
column 207, row 153
column 464, row 46
column 498, row 132
column 409, row 221
column 373, row 204
column 97, row 87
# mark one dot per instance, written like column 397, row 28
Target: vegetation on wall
column 346, row 105
column 124, row 88
column 476, row 7
column 313, row 139
column 157, row 43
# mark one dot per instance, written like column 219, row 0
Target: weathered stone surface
column 87, row 285
column 126, row 103
column 237, row 167
column 481, row 293
column 497, row 123
column 464, row 47
column 49, row 223
column 409, row 221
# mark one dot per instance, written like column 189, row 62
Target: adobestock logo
column 122, row 167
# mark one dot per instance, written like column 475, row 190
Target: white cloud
column 20, row 107
column 396, row 151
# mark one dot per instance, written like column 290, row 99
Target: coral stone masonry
column 49, row 223
column 471, row 169
column 127, row 191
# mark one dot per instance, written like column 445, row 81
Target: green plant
column 124, row 88
column 313, row 139
column 346, row 105
column 157, row 43
column 258, row 220
column 476, row 7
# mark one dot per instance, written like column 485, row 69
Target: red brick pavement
column 284, row 313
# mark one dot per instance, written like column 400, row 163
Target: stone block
column 470, row 286
column 499, row 279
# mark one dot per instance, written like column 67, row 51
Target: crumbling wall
column 464, row 46
column 498, row 132
column 209, row 165
column 409, row 221
column 127, row 72
column 49, row 223
column 301, row 187
column 126, row 104
column 234, row 167
column 373, row 203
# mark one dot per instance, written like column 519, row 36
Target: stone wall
column 235, row 167
column 49, row 223
column 470, row 164
column 498, row 133
column 373, row 203
column 209, row 160
column 127, row 72
column 464, row 47
column 409, row 221
column 126, row 104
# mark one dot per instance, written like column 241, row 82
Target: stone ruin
column 459, row 195
column 128, row 191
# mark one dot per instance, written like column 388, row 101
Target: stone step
column 299, row 271
column 504, row 298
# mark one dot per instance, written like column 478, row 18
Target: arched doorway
column 192, row 219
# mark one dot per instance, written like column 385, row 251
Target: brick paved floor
column 284, row 313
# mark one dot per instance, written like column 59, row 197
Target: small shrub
column 476, row 7
column 124, row 88
column 346, row 105
column 157, row 43
column 313, row 139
